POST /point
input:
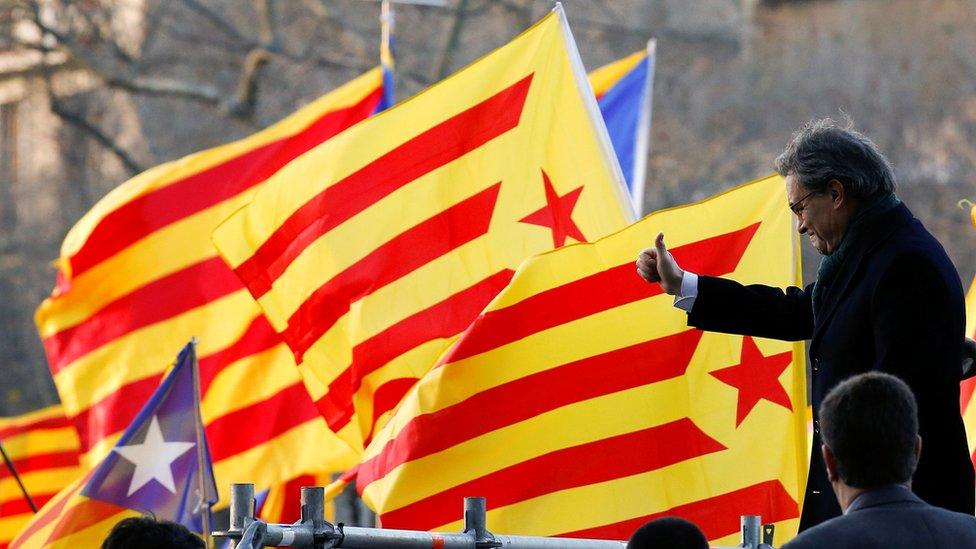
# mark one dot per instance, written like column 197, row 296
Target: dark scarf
column 864, row 222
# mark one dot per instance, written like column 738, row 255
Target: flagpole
column 13, row 472
column 201, row 451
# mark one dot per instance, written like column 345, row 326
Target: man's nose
column 801, row 227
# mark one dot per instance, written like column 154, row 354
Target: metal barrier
column 314, row 532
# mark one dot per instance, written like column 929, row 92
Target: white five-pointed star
column 153, row 458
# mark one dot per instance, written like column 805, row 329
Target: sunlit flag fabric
column 623, row 90
column 138, row 277
column 160, row 465
column 43, row 446
column 407, row 225
column 580, row 403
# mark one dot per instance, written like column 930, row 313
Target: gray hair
column 822, row 151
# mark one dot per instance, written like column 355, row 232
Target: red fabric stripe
column 445, row 142
column 386, row 398
column 48, row 423
column 444, row 319
column 410, row 250
column 84, row 515
column 113, row 413
column 19, row 505
column 154, row 302
column 155, row 210
column 39, row 462
column 598, row 461
column 258, row 337
column 966, row 388
column 641, row 364
column 717, row 516
column 52, row 514
column 598, row 292
column 258, row 423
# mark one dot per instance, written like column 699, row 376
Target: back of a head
column 668, row 533
column 148, row 533
column 870, row 423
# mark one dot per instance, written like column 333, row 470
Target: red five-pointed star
column 756, row 377
column 557, row 214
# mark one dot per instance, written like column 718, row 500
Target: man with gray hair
column 869, row 428
column 887, row 298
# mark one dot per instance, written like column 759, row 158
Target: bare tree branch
column 94, row 132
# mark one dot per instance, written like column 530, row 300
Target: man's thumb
column 659, row 245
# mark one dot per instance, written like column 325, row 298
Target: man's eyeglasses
column 798, row 206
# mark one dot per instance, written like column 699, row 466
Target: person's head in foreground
column 869, row 428
column 833, row 173
column 668, row 533
column 148, row 533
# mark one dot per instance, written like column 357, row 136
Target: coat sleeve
column 916, row 321
column 726, row 306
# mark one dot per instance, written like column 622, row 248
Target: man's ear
column 918, row 451
column 831, row 462
column 835, row 190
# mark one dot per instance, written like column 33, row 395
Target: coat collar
column 885, row 495
column 886, row 226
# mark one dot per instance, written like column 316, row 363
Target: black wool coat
column 896, row 306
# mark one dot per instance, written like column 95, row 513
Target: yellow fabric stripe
column 161, row 253
column 605, row 77
column 971, row 310
column 44, row 481
column 522, row 441
column 42, row 414
column 165, row 174
column 149, row 350
column 537, row 352
column 250, row 380
column 41, row 441
column 300, row 450
column 633, row 496
column 344, row 154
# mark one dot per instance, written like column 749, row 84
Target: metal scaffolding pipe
column 314, row 532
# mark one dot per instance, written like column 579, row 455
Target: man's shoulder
column 890, row 526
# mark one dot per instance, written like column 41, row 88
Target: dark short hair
column 671, row 532
column 822, row 151
column 148, row 533
column 870, row 422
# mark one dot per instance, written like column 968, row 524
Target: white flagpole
column 201, row 451
column 644, row 131
column 596, row 118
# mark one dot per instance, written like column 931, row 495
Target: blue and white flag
column 623, row 91
column 161, row 465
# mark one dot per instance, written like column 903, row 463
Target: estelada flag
column 160, row 465
column 138, row 277
column 623, row 91
column 581, row 404
column 373, row 251
column 43, row 447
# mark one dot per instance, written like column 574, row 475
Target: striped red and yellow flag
column 138, row 276
column 283, row 504
column 407, row 225
column 43, row 446
column 580, row 403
